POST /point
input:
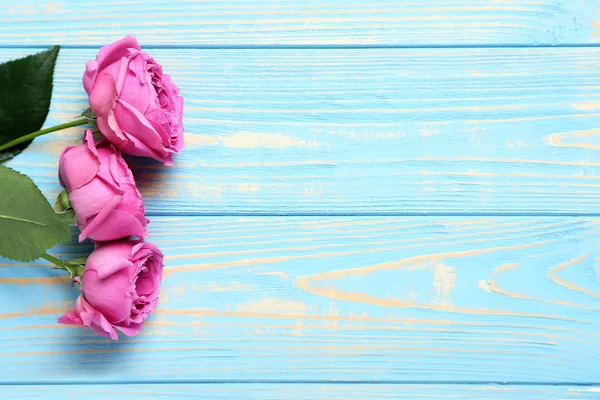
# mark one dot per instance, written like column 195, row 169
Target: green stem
column 56, row 261
column 41, row 132
column 74, row 267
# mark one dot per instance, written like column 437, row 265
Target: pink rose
column 137, row 106
column 102, row 191
column 119, row 290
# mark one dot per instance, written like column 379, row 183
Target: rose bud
column 137, row 106
column 119, row 288
column 102, row 191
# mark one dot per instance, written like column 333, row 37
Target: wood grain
column 363, row 299
column 496, row 131
column 301, row 22
column 499, row 301
column 287, row 391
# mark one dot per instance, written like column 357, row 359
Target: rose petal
column 119, row 224
column 111, row 296
column 101, row 326
column 91, row 68
column 100, row 218
column 71, row 318
column 169, row 160
column 105, row 252
column 145, row 285
column 103, row 95
column 160, row 124
column 135, row 125
column 137, row 89
column 111, row 130
column 86, row 316
column 114, row 51
column 88, row 139
column 78, row 165
column 132, row 330
column 108, row 268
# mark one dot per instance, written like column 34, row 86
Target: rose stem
column 56, row 261
column 60, row 264
column 43, row 132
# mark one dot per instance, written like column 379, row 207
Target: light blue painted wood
column 301, row 22
column 356, row 131
column 511, row 131
column 368, row 299
column 302, row 392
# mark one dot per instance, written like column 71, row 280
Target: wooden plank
column 301, row 22
column 318, row 299
column 286, row 391
column 355, row 132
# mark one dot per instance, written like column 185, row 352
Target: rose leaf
column 26, row 90
column 28, row 224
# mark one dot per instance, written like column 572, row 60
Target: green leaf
column 28, row 224
column 68, row 217
column 26, row 90
column 7, row 154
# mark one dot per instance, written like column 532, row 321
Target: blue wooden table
column 385, row 199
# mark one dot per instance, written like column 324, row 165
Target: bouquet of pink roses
column 138, row 111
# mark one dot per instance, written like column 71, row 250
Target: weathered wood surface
column 301, row 22
column 355, row 131
column 384, row 114
column 317, row 299
column 287, row 391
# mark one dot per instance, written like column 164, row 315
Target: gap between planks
column 329, row 391
column 367, row 214
column 298, row 382
column 317, row 46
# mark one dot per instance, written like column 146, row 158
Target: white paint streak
column 444, row 282
column 249, row 140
